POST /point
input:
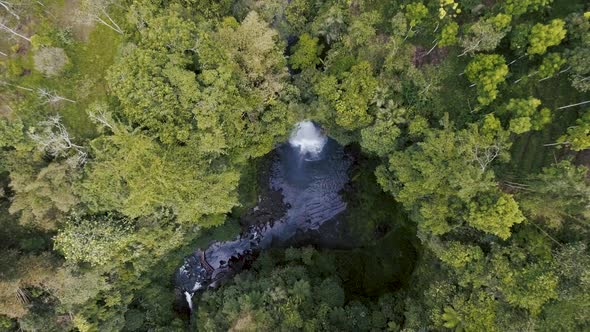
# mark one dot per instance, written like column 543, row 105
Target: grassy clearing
column 83, row 79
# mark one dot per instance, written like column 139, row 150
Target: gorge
column 310, row 171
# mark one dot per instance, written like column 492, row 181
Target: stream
column 309, row 171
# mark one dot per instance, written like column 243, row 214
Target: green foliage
column 12, row 134
column 415, row 13
column 381, row 137
column 487, row 72
column 524, row 115
column 42, row 194
column 448, row 34
column 495, row 214
column 155, row 177
column 477, row 313
column 105, row 203
column 525, row 285
column 578, row 136
column 519, row 7
column 92, row 239
column 570, row 310
column 243, row 68
column 551, row 64
column 299, row 13
column 434, row 178
column 293, row 296
column 545, row 36
column 486, row 34
column 331, row 23
column 146, row 82
column 458, row 255
column 306, row 54
column 577, row 60
column 519, row 38
column 557, row 192
column 351, row 97
column 362, row 30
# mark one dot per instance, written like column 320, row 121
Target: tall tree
column 487, row 71
column 351, row 97
column 544, row 36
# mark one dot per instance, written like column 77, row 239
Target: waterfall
column 297, row 199
column 308, row 138
column 189, row 300
column 189, row 295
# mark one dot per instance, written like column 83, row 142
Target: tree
column 578, row 136
column 291, row 294
column 381, row 137
column 576, row 58
column 253, row 45
column 93, row 239
column 524, row 115
column 487, row 71
column 156, row 94
column 155, row 178
column 550, row 65
column 458, row 255
column 12, row 134
column 42, row 194
column 300, row 12
column 437, row 178
column 485, row 34
column 495, row 213
column 544, row 36
column 168, row 32
column 448, row 34
column 448, row 8
column 415, row 13
column 243, row 68
column 306, row 53
column 362, row 30
column 53, row 138
column 569, row 312
column 351, row 97
column 519, row 7
column 525, row 284
column 519, row 38
column 477, row 312
column 20, row 274
column 331, row 24
column 555, row 195
column 51, row 61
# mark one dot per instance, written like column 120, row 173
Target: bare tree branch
column 101, row 117
column 55, row 140
column 12, row 31
column 8, row 7
column 51, row 97
column 95, row 10
column 572, row 105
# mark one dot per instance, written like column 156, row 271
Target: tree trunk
column 14, row 32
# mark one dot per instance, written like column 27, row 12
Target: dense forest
column 133, row 132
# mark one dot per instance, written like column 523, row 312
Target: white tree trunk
column 13, row 32
column 8, row 7
column 573, row 105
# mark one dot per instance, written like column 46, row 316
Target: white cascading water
column 189, row 300
column 308, row 138
column 189, row 296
